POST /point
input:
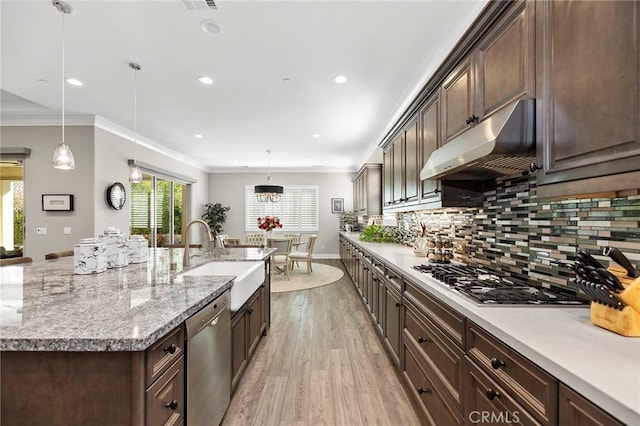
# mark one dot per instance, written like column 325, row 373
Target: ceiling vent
column 199, row 4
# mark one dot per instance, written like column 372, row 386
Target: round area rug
column 299, row 279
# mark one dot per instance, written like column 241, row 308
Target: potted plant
column 215, row 215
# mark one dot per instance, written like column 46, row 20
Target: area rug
column 299, row 279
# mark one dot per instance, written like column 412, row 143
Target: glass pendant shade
column 135, row 174
column 63, row 157
column 268, row 193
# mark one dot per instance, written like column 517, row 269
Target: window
column 297, row 210
column 157, row 207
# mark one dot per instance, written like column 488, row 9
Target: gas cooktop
column 488, row 288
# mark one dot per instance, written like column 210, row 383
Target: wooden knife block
column 627, row 321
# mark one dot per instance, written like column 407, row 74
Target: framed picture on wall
column 337, row 205
column 57, row 202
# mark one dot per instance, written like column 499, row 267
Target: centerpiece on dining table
column 268, row 224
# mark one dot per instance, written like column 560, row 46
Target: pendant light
column 135, row 174
column 268, row 193
column 62, row 156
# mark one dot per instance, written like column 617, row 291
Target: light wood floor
column 322, row 363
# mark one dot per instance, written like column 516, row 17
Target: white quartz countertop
column 44, row 306
column 602, row 366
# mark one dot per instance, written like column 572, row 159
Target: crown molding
column 9, row 119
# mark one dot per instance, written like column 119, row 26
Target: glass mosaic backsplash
column 521, row 236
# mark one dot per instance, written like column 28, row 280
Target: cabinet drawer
column 451, row 323
column 442, row 355
column 435, row 409
column 165, row 398
column 532, row 387
column 486, row 402
column 164, row 353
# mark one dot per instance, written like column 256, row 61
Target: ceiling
column 273, row 65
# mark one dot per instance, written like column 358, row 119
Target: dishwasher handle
column 207, row 316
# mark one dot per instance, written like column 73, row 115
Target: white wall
column 228, row 189
column 41, row 178
column 111, row 155
column 101, row 159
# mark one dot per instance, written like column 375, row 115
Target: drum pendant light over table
column 62, row 156
column 268, row 193
column 135, row 174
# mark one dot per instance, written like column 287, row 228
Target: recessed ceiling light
column 74, row 82
column 198, row 136
column 316, row 135
column 340, row 79
column 205, row 80
column 209, row 26
column 42, row 80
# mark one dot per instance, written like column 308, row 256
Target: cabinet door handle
column 533, row 167
column 471, row 119
column 398, row 304
column 171, row 348
column 496, row 363
column 492, row 394
column 250, row 311
column 421, row 339
column 173, row 405
column 422, row 390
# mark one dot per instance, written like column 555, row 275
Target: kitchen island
column 90, row 348
column 599, row 365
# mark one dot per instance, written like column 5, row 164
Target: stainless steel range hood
column 501, row 145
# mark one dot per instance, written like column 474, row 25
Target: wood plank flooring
column 321, row 364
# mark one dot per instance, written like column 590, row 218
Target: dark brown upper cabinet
column 367, row 187
column 387, row 176
column 500, row 70
column 412, row 163
column 398, row 169
column 588, row 91
column 430, row 138
column 505, row 60
column 458, row 100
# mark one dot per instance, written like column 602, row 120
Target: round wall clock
column 116, row 195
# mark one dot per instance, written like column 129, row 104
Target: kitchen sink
column 249, row 277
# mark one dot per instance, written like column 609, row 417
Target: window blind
column 297, row 210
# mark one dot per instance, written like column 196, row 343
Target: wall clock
column 116, row 195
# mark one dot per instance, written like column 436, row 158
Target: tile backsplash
column 534, row 239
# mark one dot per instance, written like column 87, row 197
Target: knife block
column 625, row 322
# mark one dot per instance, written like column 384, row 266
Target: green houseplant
column 376, row 234
column 215, row 215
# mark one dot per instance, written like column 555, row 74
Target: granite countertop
column 44, row 306
column 602, row 366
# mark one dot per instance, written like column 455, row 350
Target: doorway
column 11, row 208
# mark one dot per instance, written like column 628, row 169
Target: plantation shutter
column 297, row 210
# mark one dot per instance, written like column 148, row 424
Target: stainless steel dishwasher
column 209, row 363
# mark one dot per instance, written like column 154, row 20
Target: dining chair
column 281, row 256
column 58, row 254
column 305, row 255
column 256, row 238
column 220, row 240
column 230, row 242
column 15, row 261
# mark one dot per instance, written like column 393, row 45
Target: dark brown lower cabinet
column 248, row 325
column 392, row 331
column 576, row 410
column 486, row 402
column 428, row 395
column 95, row 388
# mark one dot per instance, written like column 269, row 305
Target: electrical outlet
column 41, row 231
column 67, row 230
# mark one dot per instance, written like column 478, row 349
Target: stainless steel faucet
column 186, row 260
